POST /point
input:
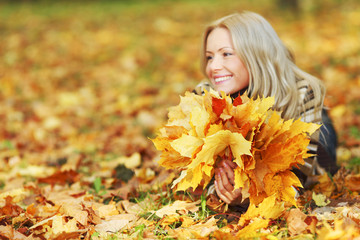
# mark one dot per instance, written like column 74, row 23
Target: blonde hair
column 271, row 67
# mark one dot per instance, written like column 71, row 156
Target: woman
column 242, row 53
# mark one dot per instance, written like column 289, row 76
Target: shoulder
column 305, row 92
column 309, row 106
column 201, row 87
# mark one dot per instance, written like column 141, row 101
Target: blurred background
column 96, row 77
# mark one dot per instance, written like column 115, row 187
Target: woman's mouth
column 221, row 79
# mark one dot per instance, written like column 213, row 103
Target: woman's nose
column 216, row 63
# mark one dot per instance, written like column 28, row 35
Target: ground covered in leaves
column 83, row 86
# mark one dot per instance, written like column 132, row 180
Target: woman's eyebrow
column 220, row 49
column 225, row 47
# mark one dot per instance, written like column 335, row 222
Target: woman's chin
column 225, row 90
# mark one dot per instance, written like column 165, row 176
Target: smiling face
column 224, row 68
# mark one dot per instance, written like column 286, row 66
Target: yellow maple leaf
column 240, row 178
column 281, row 184
column 260, row 216
column 297, row 127
column 214, row 128
column 251, row 230
column 169, row 157
column 252, row 111
column 186, row 145
column 274, row 126
column 283, row 155
column 269, row 208
column 173, row 132
column 180, row 115
column 199, row 121
column 214, row 145
column 289, row 181
column 200, row 230
column 320, row 199
column 339, row 230
column 186, row 221
column 218, row 142
column 325, row 185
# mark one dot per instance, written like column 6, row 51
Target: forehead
column 219, row 38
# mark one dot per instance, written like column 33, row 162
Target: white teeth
column 220, row 79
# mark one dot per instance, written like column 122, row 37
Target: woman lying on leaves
column 242, row 53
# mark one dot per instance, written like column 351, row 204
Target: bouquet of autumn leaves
column 265, row 147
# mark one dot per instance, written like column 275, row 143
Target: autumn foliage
column 265, row 147
column 84, row 85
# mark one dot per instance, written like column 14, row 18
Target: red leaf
column 245, row 129
column 218, row 105
column 237, row 101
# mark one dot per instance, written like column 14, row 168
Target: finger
column 224, row 186
column 231, row 164
column 220, row 184
column 225, row 180
column 230, row 173
column 228, row 162
column 220, row 194
column 231, row 198
column 236, row 193
column 216, row 174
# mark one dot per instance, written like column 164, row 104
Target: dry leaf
column 112, row 225
column 61, row 177
column 178, row 206
column 197, row 231
column 353, row 182
column 9, row 233
column 296, row 221
column 320, row 199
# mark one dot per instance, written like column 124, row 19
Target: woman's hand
column 224, row 183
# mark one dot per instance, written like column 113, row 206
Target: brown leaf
column 352, row 182
column 10, row 209
column 70, row 235
column 7, row 232
column 182, row 207
column 112, row 226
column 311, row 221
column 61, row 178
column 296, row 221
column 214, row 203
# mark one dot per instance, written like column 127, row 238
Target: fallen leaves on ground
column 84, row 86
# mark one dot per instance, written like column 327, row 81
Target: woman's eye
column 227, row 54
column 208, row 58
